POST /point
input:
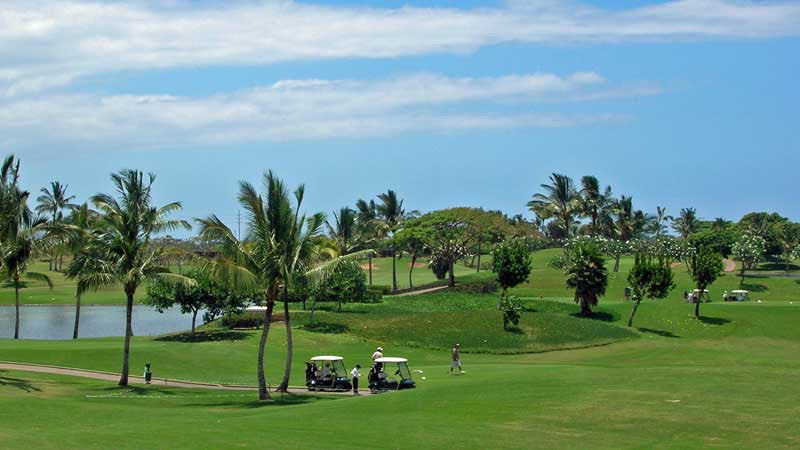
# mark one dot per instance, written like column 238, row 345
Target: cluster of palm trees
column 368, row 225
column 562, row 205
column 110, row 245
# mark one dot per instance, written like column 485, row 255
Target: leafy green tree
column 511, row 263
column 22, row 235
column 686, row 223
column 616, row 249
column 53, row 201
column 587, row 274
column 560, row 200
column 512, row 310
column 789, row 237
column 413, row 242
column 205, row 293
column 705, row 266
column 649, row 277
column 748, row 250
column 720, row 241
column 125, row 227
column 764, row 225
column 345, row 284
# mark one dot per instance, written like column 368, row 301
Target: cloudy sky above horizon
column 677, row 103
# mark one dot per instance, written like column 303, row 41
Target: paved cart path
column 114, row 377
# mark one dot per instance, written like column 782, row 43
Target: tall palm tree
column 53, row 202
column 281, row 243
column 658, row 222
column 559, row 200
column 88, row 266
column 594, row 202
column 686, row 223
column 121, row 247
column 390, row 211
column 345, row 231
column 22, row 234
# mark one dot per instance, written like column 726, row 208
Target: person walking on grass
column 355, row 374
column 456, row 360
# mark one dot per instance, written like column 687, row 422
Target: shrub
column 476, row 287
column 384, row 289
column 511, row 263
column 511, row 307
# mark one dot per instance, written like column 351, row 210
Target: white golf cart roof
column 740, row 291
column 256, row 308
column 698, row 290
column 327, row 358
column 391, row 359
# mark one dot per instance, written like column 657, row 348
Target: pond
column 57, row 322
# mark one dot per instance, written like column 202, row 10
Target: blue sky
column 691, row 103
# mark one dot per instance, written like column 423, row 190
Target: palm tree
column 686, row 223
column 281, row 244
column 345, row 231
column 21, row 234
column 719, row 224
column 390, row 211
column 658, row 222
column 586, row 273
column 594, row 203
column 121, row 247
column 628, row 223
column 559, row 200
column 53, row 202
column 88, row 266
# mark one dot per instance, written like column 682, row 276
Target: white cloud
column 311, row 109
column 53, row 43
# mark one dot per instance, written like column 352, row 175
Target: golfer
column 148, row 374
column 355, row 376
column 456, row 360
column 375, row 356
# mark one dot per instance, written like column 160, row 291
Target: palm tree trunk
column 633, row 313
column 263, row 394
column 284, row 387
column 194, row 319
column 77, row 315
column 394, row 271
column 16, row 307
column 697, row 301
column 370, row 269
column 616, row 264
column 123, row 379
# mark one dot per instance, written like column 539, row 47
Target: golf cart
column 327, row 373
column 706, row 297
column 380, row 380
column 739, row 295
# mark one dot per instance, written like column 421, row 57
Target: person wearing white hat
column 378, row 354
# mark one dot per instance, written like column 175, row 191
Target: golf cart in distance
column 380, row 380
column 698, row 298
column 327, row 373
column 738, row 295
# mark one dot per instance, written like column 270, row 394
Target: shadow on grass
column 755, row 287
column 204, row 336
column 777, row 265
column 326, row 327
column 602, row 316
column 515, row 330
column 713, row 320
column 18, row 383
column 276, row 402
column 662, row 333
